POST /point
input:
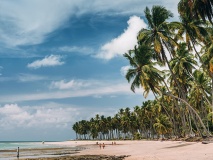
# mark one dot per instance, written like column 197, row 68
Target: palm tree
column 197, row 9
column 158, row 34
column 163, row 125
column 142, row 70
column 207, row 59
column 93, row 128
column 191, row 31
column 75, row 127
column 182, row 65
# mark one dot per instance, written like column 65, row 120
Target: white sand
column 148, row 150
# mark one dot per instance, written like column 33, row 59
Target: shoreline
column 127, row 150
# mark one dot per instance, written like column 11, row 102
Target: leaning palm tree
column 142, row 72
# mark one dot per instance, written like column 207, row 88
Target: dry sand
column 147, row 150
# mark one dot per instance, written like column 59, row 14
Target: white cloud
column 48, row 61
column 68, row 85
column 27, row 22
column 12, row 115
column 45, row 116
column 126, row 41
column 124, row 70
column 93, row 89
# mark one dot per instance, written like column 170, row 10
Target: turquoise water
column 9, row 145
column 8, row 150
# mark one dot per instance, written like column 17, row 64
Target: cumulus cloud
column 126, row 41
column 48, row 61
column 13, row 115
column 45, row 116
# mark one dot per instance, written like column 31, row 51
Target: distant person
column 18, row 152
column 103, row 145
column 100, row 145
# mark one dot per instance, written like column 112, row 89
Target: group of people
column 103, row 145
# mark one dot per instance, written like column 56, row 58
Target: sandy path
column 149, row 150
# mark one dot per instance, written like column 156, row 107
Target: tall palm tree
column 158, row 33
column 191, row 31
column 160, row 37
column 182, row 65
column 75, row 127
column 197, row 8
column 142, row 70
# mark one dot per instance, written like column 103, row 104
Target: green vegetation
column 183, row 104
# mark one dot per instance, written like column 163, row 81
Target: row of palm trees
column 147, row 121
column 183, row 104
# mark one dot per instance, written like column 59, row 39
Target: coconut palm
column 160, row 37
column 182, row 65
column 142, row 70
column 158, row 34
column 197, row 8
column 191, row 31
column 75, row 127
column 163, row 125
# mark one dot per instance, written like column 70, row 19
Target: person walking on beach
column 18, row 152
column 103, row 145
column 100, row 145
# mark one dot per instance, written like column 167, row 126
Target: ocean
column 8, row 150
column 11, row 145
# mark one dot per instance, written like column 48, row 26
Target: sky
column 61, row 61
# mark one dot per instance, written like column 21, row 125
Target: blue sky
column 61, row 62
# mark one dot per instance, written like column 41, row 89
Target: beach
column 138, row 150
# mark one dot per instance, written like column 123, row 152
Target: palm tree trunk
column 182, row 115
column 192, row 109
column 210, row 74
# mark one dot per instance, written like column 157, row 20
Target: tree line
column 183, row 104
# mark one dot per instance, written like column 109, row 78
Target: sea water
column 8, row 149
column 11, row 145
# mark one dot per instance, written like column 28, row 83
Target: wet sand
column 127, row 150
